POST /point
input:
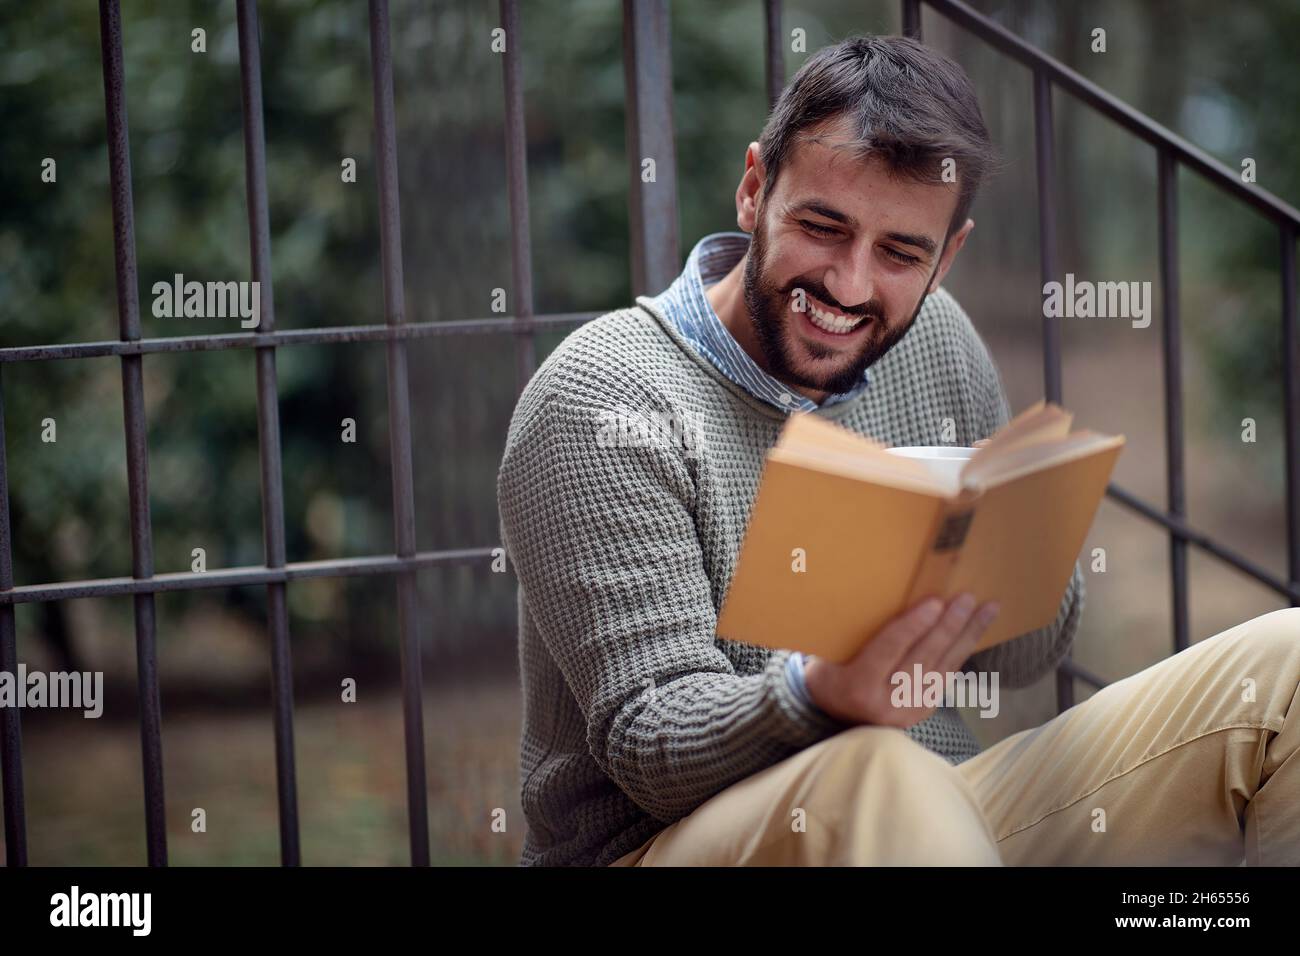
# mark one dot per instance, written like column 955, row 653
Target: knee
column 1262, row 653
column 1274, row 640
column 868, row 741
column 889, row 799
column 1284, row 622
column 853, row 756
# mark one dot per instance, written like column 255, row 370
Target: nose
column 850, row 280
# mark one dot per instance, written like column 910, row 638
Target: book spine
column 947, row 536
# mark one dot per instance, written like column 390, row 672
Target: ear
column 749, row 191
column 950, row 250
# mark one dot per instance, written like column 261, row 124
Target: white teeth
column 829, row 322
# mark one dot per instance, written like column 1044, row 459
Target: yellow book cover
column 845, row 534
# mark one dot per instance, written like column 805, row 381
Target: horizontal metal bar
column 1135, row 122
column 316, row 336
column 388, row 564
column 247, row 574
column 1203, row 541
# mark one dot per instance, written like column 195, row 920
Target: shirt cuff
column 794, row 675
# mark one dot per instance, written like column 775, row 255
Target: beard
column 826, row 369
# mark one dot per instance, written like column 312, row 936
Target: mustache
column 871, row 308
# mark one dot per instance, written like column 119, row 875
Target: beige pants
column 1193, row 761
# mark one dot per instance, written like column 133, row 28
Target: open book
column 845, row 534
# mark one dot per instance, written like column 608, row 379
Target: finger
column 902, row 632
column 932, row 645
column 964, row 646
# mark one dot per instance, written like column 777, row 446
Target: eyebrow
column 821, row 208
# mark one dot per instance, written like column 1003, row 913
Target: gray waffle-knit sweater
column 635, row 711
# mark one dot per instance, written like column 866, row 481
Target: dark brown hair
column 911, row 106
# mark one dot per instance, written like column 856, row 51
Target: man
column 630, row 467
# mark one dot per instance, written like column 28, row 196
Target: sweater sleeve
column 606, row 550
column 1022, row 660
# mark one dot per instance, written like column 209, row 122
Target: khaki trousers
column 1193, row 761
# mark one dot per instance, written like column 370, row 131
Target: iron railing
column 1171, row 152
column 655, row 263
column 276, row 572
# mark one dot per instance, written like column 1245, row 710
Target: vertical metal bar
column 647, row 69
column 399, row 428
column 1167, row 189
column 11, row 735
column 912, row 19
column 137, row 451
column 1044, row 158
column 268, row 426
column 521, row 261
column 775, row 53
column 1291, row 399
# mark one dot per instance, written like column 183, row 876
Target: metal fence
column 1172, row 152
column 655, row 263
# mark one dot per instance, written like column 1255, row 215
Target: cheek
column 788, row 258
column 899, row 294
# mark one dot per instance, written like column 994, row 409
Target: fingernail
column 930, row 610
column 966, row 603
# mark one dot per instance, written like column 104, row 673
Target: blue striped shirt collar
column 686, row 306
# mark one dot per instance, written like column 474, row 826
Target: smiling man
column 822, row 294
column 648, row 738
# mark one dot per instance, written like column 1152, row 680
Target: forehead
column 823, row 168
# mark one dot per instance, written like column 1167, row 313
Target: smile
column 831, row 322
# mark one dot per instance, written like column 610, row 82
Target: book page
column 820, row 444
column 995, row 470
column 911, row 477
column 1042, row 421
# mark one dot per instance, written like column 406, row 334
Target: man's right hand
column 939, row 638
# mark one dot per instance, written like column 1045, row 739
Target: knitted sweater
column 635, row 710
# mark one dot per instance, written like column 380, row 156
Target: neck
column 727, row 296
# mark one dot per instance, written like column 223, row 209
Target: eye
column 817, row 229
column 901, row 258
